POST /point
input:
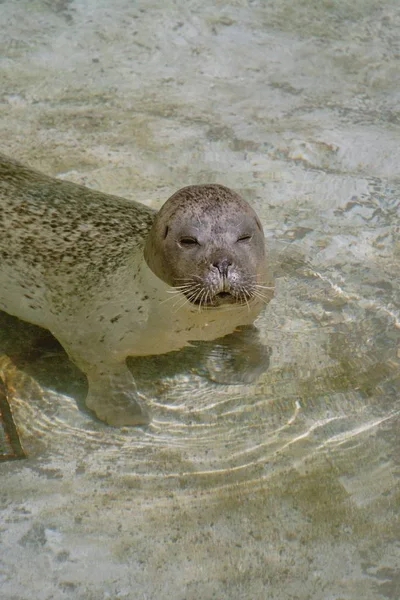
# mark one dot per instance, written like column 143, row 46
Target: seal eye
column 188, row 241
column 245, row 238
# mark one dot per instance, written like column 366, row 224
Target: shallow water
column 286, row 488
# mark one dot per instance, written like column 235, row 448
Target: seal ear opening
column 166, row 232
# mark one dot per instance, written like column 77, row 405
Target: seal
column 111, row 278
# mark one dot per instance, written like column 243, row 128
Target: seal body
column 111, row 278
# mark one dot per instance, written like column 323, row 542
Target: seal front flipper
column 114, row 398
column 237, row 358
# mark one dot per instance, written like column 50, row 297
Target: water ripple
column 331, row 381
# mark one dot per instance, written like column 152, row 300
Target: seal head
column 207, row 242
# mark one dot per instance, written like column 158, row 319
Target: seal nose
column 222, row 265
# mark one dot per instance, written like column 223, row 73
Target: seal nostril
column 222, row 266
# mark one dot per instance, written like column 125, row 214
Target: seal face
column 207, row 242
column 96, row 270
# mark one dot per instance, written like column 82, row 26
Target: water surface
column 284, row 488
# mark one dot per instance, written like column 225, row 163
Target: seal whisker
column 203, row 298
column 181, row 302
column 178, row 290
column 173, row 297
column 188, row 281
column 247, row 303
column 190, row 278
column 244, row 294
column 190, row 291
column 246, row 291
column 261, row 297
column 264, row 287
column 167, row 299
column 182, row 288
column 200, row 300
column 260, row 293
column 194, row 299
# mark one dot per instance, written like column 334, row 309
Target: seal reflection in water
column 111, row 278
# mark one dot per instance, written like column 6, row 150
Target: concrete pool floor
column 287, row 489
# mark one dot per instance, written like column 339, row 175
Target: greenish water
column 285, row 488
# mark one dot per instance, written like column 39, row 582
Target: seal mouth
column 216, row 300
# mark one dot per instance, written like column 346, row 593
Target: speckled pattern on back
column 53, row 227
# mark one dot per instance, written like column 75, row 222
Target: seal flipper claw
column 113, row 397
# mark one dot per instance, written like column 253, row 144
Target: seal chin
column 225, row 298
column 215, row 300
